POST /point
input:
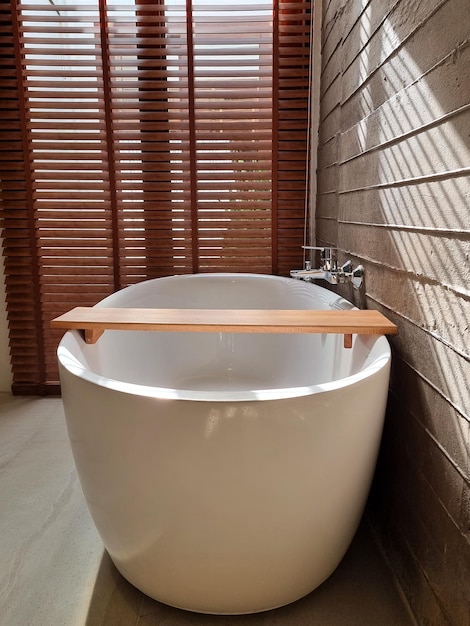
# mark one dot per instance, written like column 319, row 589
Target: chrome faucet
column 329, row 269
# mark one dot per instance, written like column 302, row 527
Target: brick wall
column 394, row 195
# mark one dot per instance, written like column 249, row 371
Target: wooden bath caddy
column 95, row 320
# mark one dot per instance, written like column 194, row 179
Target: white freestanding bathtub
column 226, row 473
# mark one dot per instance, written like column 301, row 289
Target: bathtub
column 225, row 473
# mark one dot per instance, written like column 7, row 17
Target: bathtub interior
column 226, row 291
column 215, row 362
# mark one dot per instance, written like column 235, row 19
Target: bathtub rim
column 75, row 367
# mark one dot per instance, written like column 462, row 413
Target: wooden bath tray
column 95, row 320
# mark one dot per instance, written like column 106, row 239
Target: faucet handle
column 351, row 273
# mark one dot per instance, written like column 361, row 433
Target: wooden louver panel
column 291, row 103
column 17, row 220
column 142, row 139
column 233, row 53
column 147, row 45
column 63, row 83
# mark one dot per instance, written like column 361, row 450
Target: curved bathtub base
column 234, row 590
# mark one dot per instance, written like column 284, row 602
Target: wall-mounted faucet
column 329, row 269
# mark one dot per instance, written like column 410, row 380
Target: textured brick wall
column 394, row 195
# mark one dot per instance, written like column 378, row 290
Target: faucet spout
column 314, row 274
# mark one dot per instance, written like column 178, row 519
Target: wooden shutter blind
column 143, row 139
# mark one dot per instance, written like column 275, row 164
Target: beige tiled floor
column 54, row 571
